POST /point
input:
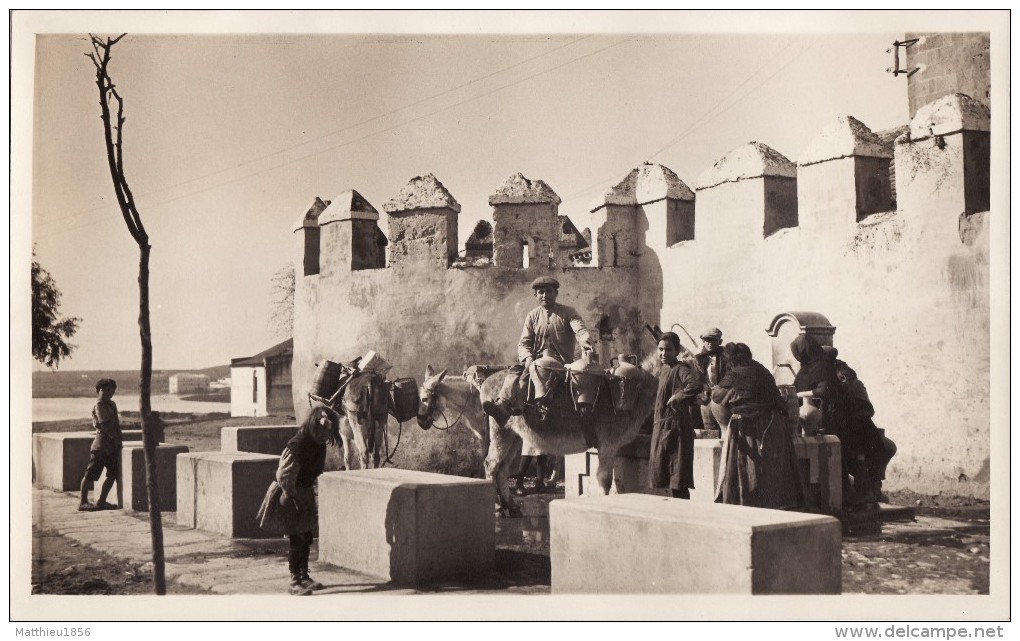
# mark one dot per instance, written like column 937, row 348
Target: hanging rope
column 447, row 421
column 389, row 456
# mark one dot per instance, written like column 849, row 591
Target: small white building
column 189, row 384
column 260, row 385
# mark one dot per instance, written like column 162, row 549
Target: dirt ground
column 945, row 550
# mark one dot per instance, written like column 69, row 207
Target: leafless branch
column 115, row 147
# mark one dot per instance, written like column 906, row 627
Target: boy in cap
column 549, row 326
column 105, row 450
column 710, row 362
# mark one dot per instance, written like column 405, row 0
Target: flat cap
column 545, row 281
column 712, row 332
column 106, row 382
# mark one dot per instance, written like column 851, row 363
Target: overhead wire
column 332, row 133
column 351, row 142
column 709, row 116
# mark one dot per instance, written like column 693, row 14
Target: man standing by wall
column 713, row 368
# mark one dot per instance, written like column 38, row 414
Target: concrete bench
column 222, row 491
column 59, row 458
column 637, row 543
column 260, row 439
column 132, row 470
column 819, row 458
column 409, row 527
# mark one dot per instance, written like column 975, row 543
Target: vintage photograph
column 635, row 313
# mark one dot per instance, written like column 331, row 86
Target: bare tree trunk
column 114, row 155
column 149, row 437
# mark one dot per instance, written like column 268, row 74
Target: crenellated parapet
column 906, row 282
column 307, row 234
column 944, row 158
column 349, row 236
column 526, row 224
column 423, row 224
column 339, row 235
column 750, row 192
column 650, row 207
column 842, row 178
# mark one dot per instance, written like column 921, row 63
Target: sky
column 230, row 137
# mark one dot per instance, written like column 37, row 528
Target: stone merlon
column 422, row 192
column 844, row 138
column 949, row 115
column 519, row 190
column 349, row 205
column 648, row 183
column 753, row 160
column 311, row 217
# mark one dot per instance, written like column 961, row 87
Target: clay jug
column 625, row 382
column 546, row 372
column 811, row 416
column 585, row 376
column 720, row 413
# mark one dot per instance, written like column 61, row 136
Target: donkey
column 365, row 406
column 560, row 431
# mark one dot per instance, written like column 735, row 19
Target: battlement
column 753, row 192
column 757, row 234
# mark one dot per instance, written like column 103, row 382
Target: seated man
column 873, row 449
column 550, row 326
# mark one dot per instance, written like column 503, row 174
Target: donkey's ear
column 442, row 375
column 429, row 372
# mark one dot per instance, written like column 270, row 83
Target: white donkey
column 561, row 431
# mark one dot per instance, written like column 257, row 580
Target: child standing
column 290, row 499
column 105, row 450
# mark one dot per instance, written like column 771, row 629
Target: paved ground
column 928, row 554
column 207, row 561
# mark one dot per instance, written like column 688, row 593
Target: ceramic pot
column 811, row 416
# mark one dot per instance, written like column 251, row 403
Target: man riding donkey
column 549, row 329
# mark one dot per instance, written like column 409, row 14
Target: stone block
column 59, row 458
column 409, row 527
column 818, row 456
column 258, row 439
column 132, row 469
column 221, row 491
column 630, row 470
column 821, row 464
column 635, row 543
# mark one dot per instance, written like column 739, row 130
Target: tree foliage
column 281, row 294
column 49, row 331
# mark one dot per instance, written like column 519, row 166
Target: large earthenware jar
column 546, row 373
column 584, row 375
column 811, row 416
column 625, row 382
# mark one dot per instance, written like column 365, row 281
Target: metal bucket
column 404, row 399
column 327, row 379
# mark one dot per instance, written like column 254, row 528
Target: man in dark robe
column 759, row 464
column 817, row 375
column 681, row 386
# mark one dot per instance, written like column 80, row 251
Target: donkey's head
column 427, row 396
